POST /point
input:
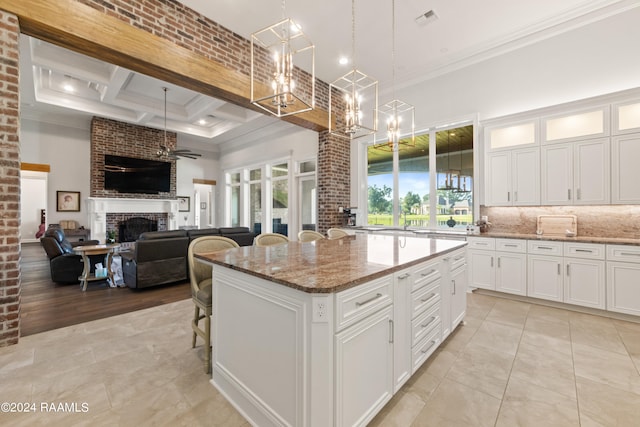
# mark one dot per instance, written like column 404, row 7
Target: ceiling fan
column 165, row 150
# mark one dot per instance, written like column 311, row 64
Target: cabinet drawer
column 623, row 253
column 425, row 298
column 584, row 250
column 424, row 324
column 426, row 347
column 487, row 243
column 358, row 302
column 458, row 259
column 425, row 275
column 544, row 247
column 511, row 245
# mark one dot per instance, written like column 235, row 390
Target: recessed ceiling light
column 68, row 87
column 343, row 60
column 202, row 122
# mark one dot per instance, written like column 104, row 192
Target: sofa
column 160, row 257
column 65, row 265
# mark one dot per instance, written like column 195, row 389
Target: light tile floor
column 512, row 364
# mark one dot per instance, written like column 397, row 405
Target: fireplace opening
column 130, row 229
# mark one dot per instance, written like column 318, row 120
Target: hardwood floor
column 46, row 305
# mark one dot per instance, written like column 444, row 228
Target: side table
column 85, row 251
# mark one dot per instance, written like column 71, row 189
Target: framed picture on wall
column 68, row 201
column 183, row 204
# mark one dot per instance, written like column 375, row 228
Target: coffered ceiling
column 58, row 84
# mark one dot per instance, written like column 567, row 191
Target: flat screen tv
column 131, row 175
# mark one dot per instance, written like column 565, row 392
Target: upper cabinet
column 512, row 135
column 625, row 117
column 576, row 126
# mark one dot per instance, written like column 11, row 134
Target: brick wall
column 9, row 182
column 123, row 139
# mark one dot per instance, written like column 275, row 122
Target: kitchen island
column 324, row 333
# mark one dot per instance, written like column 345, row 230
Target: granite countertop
column 327, row 266
column 580, row 239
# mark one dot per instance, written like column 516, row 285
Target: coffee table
column 85, row 251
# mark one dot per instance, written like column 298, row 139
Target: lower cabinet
column 459, row 285
column 364, row 368
column 623, row 279
column 545, row 279
column 584, row 282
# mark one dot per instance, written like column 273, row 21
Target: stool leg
column 196, row 318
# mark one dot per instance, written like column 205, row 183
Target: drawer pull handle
column 429, row 273
column 373, row 298
column 429, row 322
column 404, row 276
column 432, row 296
column 589, row 251
column 433, row 342
column 629, row 254
column 481, row 244
column 510, row 246
column 545, row 247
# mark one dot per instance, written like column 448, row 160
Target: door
column 511, row 273
column 482, row 273
column 545, row 278
column 625, row 173
column 557, row 174
column 308, row 203
column 526, row 177
column 364, row 368
column 584, row 283
column 623, row 280
column 458, row 296
column 499, row 179
column 591, row 176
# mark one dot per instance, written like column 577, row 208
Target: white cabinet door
column 591, row 172
column 458, row 296
column 545, row 278
column 557, row 174
column 364, row 368
column 526, row 177
column 584, row 282
column 498, row 179
column 625, row 173
column 482, row 273
column 511, row 273
column 623, row 287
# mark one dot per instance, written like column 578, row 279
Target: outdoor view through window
column 450, row 205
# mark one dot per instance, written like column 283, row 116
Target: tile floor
column 512, row 364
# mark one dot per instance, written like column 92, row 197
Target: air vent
column 427, row 17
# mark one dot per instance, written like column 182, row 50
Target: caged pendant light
column 360, row 95
column 291, row 53
column 398, row 116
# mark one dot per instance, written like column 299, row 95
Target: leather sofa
column 160, row 257
column 65, row 265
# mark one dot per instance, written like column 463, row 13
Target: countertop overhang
column 327, row 266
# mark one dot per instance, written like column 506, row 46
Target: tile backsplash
column 594, row 221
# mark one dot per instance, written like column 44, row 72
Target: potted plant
column 111, row 236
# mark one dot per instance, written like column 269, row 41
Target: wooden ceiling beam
column 75, row 26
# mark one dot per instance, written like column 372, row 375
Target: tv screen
column 131, row 175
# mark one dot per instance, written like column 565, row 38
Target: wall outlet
column 320, row 313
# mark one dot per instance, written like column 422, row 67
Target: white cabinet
column 511, row 266
column 623, row 279
column 513, row 178
column 576, row 173
column 459, row 284
column 364, row 368
column 481, row 262
column 585, row 275
column 625, row 173
column 545, row 279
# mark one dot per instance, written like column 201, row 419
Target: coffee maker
column 349, row 217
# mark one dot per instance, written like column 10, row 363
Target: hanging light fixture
column 450, row 176
column 398, row 115
column 291, row 53
column 359, row 93
column 462, row 186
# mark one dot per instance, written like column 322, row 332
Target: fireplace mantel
column 99, row 207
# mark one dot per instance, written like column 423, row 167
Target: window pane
column 309, row 166
column 413, row 183
column 454, row 148
column 255, row 206
column 280, row 202
column 308, row 207
column 235, row 206
column 279, row 170
column 235, row 178
column 255, row 174
column 380, row 186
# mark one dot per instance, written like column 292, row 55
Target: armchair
column 65, row 265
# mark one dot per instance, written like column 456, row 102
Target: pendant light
column 359, row 93
column 398, row 115
column 451, row 176
column 291, row 52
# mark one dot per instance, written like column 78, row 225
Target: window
column 255, row 200
column 234, row 198
column 423, row 184
column 307, row 195
column 280, row 198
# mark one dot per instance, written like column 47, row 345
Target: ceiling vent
column 426, row 18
